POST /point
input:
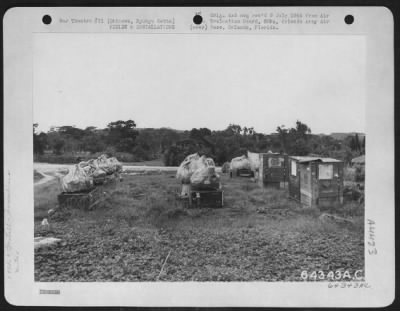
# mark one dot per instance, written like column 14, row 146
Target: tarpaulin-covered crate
column 316, row 181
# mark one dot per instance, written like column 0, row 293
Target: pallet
column 206, row 198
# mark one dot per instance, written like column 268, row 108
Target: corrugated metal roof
column 304, row 159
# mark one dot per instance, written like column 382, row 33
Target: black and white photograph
column 220, row 148
column 247, row 166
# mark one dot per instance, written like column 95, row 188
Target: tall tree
column 71, row 132
column 283, row 136
column 295, row 140
column 234, row 129
column 122, row 135
column 58, row 146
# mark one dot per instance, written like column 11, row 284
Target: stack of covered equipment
column 240, row 163
column 83, row 175
column 109, row 165
column 199, row 172
column 76, row 180
column 191, row 163
column 101, row 166
column 185, row 170
column 240, row 166
column 254, row 159
column 205, row 177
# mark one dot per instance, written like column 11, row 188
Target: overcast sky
column 187, row 81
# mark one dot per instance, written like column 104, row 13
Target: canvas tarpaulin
column 240, row 163
column 254, row 159
column 185, row 170
column 197, row 169
column 76, row 180
column 101, row 166
column 205, row 175
column 80, row 177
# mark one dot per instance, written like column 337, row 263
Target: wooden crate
column 205, row 187
column 80, row 200
column 209, row 198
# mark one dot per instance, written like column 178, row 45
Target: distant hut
column 359, row 161
column 273, row 169
column 316, row 181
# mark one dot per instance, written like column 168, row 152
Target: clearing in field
column 259, row 235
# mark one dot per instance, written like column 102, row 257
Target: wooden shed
column 273, row 169
column 316, row 181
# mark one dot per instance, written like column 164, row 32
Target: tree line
column 128, row 143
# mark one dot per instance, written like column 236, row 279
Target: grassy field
column 259, row 235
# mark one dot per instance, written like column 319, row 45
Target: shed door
column 330, row 181
column 305, row 185
column 294, row 180
column 275, row 168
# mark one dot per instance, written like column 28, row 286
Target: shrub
column 140, row 154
